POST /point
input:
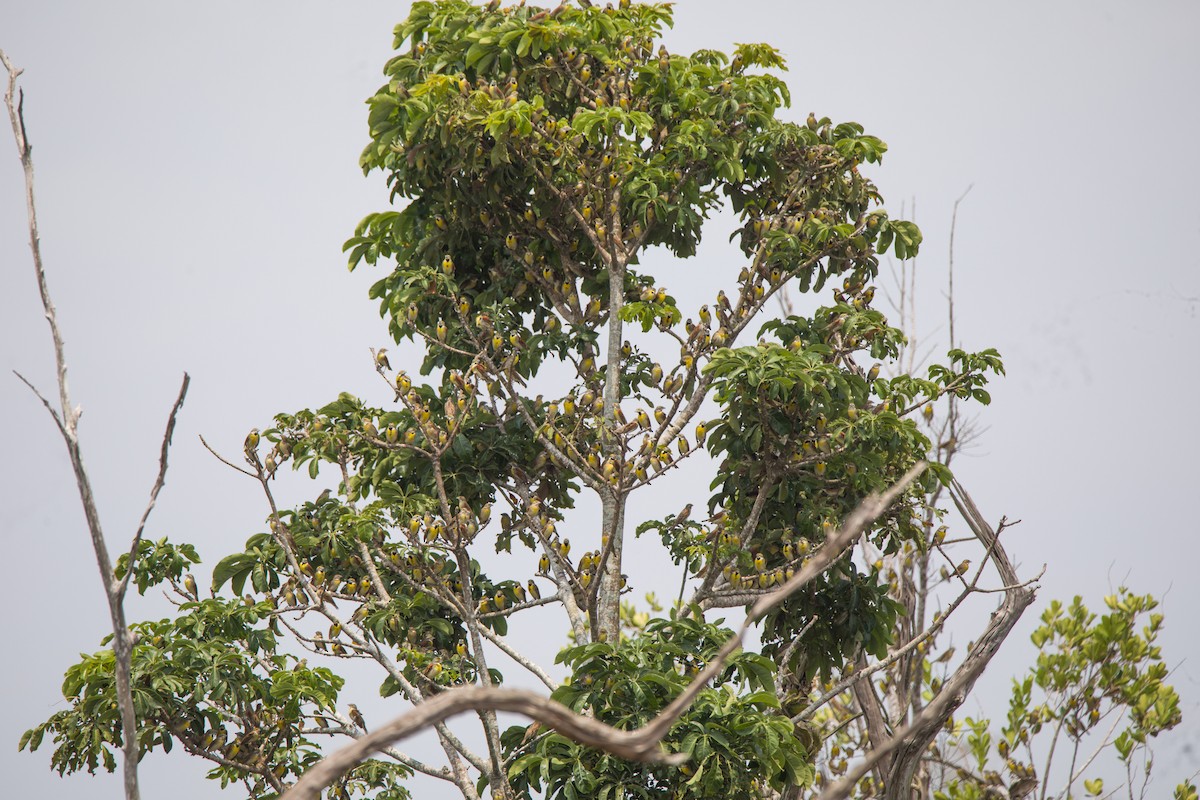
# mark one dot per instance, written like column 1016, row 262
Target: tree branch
column 642, row 744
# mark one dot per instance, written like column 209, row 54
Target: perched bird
column 369, row 428
column 760, row 563
column 355, row 716
column 534, row 591
column 660, row 415
column 520, row 591
column 381, row 359
column 189, row 583
column 252, row 440
column 448, row 264
column 391, row 433
column 544, row 564
column 403, row 384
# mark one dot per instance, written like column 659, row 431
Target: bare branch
column 158, row 484
column 909, row 744
column 67, row 420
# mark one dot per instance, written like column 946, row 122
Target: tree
column 539, row 156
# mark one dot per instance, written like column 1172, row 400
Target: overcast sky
column 197, row 175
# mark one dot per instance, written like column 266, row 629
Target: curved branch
column 643, row 744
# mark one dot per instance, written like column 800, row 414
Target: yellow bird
column 485, row 605
column 643, row 419
column 501, row 601
column 656, row 373
column 819, row 468
column 544, row 564
column 461, row 648
column 705, row 314
column 684, row 447
column 369, row 428
column 381, row 359
column 442, row 330
column 585, row 579
column 520, row 592
column 189, row 583
column 252, row 439
column 319, row 577
column 640, row 473
column 565, row 548
column 448, row 264
column 391, row 433
column 927, row 411
column 534, row 591
column 403, row 384
column 760, row 563
column 874, row 372
column 788, row 552
column 660, row 415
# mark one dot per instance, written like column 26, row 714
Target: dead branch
column 643, row 744
column 904, row 749
column 66, row 418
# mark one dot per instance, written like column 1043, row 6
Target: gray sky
column 197, row 177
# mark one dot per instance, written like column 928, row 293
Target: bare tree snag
column 67, row 420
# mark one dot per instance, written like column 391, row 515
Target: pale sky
column 197, row 175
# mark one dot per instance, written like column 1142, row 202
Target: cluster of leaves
column 245, row 707
column 1094, row 676
column 738, row 742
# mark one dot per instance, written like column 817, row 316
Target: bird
column 544, row 564
column 448, row 264
column 356, row 716
column 252, row 440
column 520, row 592
column 682, row 516
column 403, row 384
column 381, row 359
column 660, row 415
column 760, row 563
column 391, row 433
column 189, row 583
column 369, row 428
column 534, row 591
